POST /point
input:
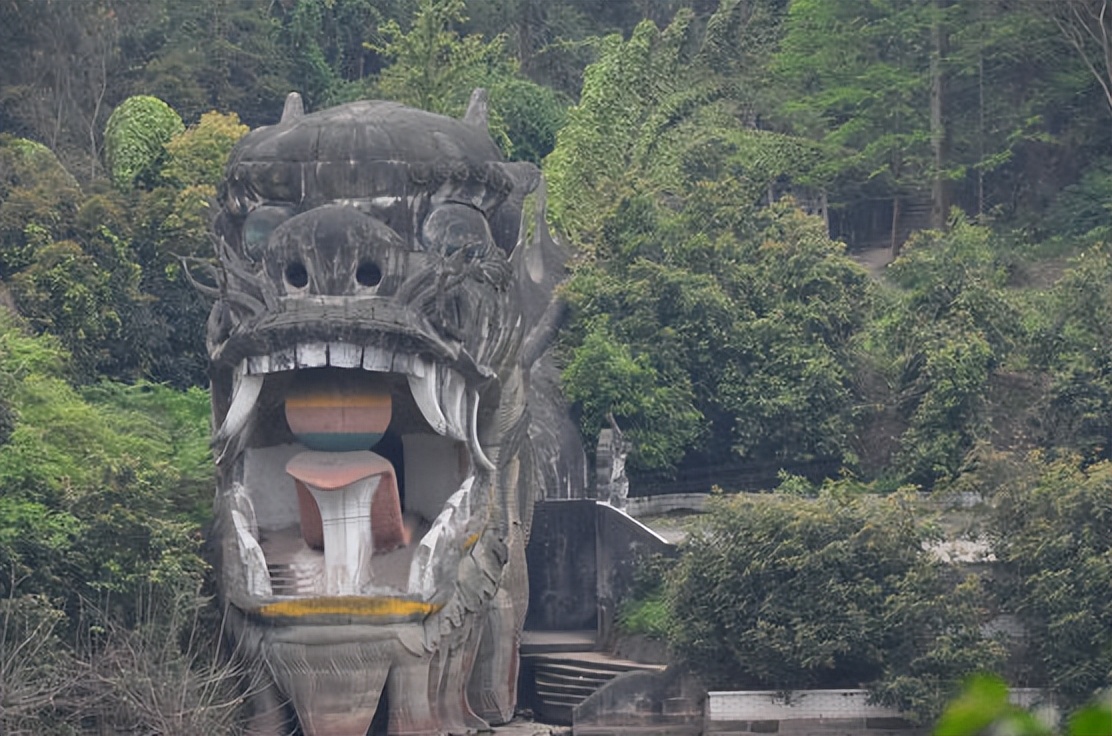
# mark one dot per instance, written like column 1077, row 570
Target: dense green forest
column 722, row 169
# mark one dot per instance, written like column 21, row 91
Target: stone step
column 564, row 679
column 591, row 662
column 288, row 580
column 558, row 698
column 540, row 642
column 582, row 687
column 574, row 678
column 568, row 669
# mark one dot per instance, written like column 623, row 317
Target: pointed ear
column 476, row 114
column 293, row 109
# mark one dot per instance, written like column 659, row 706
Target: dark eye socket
column 368, row 274
column 296, row 275
column 260, row 223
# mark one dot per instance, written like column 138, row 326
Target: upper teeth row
column 439, row 391
column 336, row 354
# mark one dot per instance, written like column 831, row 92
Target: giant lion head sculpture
column 383, row 301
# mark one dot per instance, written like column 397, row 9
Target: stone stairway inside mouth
column 297, row 576
column 286, row 579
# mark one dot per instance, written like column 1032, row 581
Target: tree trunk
column 825, row 203
column 895, row 244
column 940, row 139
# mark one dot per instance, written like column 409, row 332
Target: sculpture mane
column 384, row 300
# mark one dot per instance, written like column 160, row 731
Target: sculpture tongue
column 347, row 495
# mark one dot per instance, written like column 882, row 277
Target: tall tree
column 59, row 61
column 218, row 54
column 432, row 66
column 940, row 130
column 1087, row 27
column 858, row 79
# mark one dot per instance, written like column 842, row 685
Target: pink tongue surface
column 340, row 415
column 332, row 471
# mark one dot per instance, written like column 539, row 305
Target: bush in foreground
column 839, row 591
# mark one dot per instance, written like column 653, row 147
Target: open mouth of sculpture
column 363, row 472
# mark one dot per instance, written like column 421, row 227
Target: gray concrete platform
column 542, row 642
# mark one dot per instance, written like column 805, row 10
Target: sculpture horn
column 477, row 109
column 294, row 107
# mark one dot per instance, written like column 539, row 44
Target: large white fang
column 344, row 355
column 473, row 427
column 442, row 545
column 312, row 355
column 423, row 389
column 453, row 401
column 244, row 397
column 252, row 562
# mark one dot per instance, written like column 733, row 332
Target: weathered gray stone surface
column 624, row 544
column 670, row 703
column 397, row 244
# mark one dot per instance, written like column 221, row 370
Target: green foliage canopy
column 103, row 489
column 786, row 593
column 135, row 138
column 196, row 156
column 950, row 327
column 1050, row 532
column 38, row 201
column 735, row 343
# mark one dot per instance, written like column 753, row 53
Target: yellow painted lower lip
column 349, row 605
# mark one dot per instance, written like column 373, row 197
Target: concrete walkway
column 541, row 642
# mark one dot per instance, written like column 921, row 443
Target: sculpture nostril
column 296, row 275
column 368, row 274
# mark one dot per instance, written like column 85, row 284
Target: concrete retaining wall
column 666, row 504
column 817, row 712
column 773, row 705
column 623, row 545
column 808, row 712
column 562, row 560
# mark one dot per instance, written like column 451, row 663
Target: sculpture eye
column 258, row 226
column 454, row 227
column 368, row 274
column 296, row 275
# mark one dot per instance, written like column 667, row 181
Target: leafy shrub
column 531, row 115
column 38, row 201
column 1074, row 346
column 1083, row 208
column 941, row 337
column 648, row 617
column 710, row 339
column 198, row 155
column 786, row 593
column 1052, row 534
column 102, row 491
column 646, row 611
column 135, row 137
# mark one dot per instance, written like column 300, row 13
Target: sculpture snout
column 335, row 250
